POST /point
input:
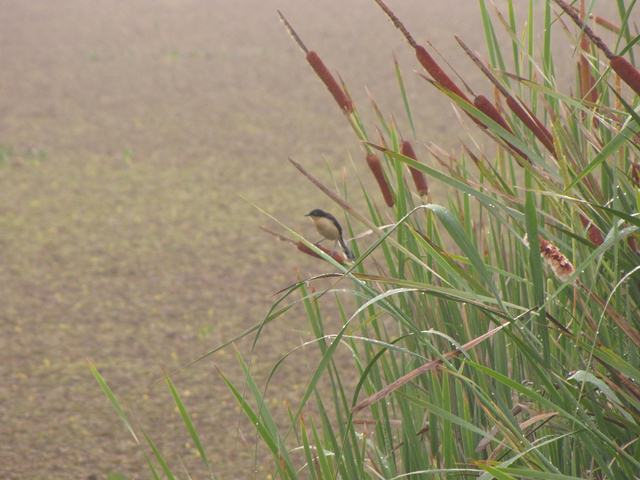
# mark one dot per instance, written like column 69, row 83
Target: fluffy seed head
column 557, row 262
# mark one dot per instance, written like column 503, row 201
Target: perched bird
column 329, row 228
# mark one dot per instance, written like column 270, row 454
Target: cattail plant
column 419, row 180
column 339, row 95
column 423, row 56
column 373, row 161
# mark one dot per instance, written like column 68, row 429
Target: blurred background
column 135, row 137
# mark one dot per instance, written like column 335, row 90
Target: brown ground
column 130, row 132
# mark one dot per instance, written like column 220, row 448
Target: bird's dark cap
column 316, row 213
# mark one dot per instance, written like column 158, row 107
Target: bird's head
column 317, row 213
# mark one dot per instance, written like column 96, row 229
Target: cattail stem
column 425, row 59
column 376, row 168
column 419, row 179
column 585, row 28
column 603, row 22
column 620, row 65
column 397, row 23
column 587, row 82
column 293, row 33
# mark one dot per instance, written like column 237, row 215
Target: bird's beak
column 307, row 214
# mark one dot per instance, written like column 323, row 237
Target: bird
column 329, row 227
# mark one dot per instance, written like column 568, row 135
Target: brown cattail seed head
column 376, row 168
column 337, row 256
column 430, row 65
column 557, row 262
column 419, row 179
column 532, row 123
column 627, row 72
column 593, row 232
column 483, row 104
column 344, row 102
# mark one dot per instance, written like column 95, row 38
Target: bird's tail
column 347, row 252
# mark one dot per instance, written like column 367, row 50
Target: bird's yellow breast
column 326, row 228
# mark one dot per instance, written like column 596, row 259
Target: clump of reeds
column 454, row 323
column 437, row 289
